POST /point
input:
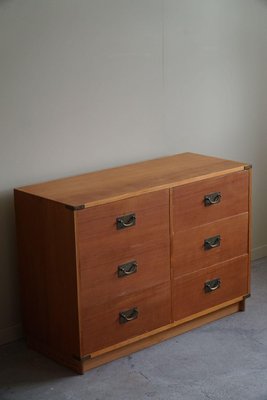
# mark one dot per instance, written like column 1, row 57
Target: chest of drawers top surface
column 112, row 184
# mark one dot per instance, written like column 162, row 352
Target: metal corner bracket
column 75, row 208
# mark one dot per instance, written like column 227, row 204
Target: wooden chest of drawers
column 116, row 260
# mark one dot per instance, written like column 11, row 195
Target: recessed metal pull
column 212, row 285
column 127, row 269
column 129, row 315
column 125, row 221
column 212, row 242
column 212, row 198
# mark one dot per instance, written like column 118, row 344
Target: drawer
column 193, row 249
column 191, row 209
column 100, row 240
column 124, row 277
column 102, row 325
column 191, row 292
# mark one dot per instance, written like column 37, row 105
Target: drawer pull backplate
column 127, row 269
column 212, row 198
column 212, row 285
column 212, row 242
column 129, row 315
column 125, row 221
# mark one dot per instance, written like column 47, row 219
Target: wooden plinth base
column 140, row 342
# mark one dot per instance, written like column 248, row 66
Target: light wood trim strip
column 171, row 331
column 161, row 187
column 112, row 184
column 165, row 328
column 142, row 342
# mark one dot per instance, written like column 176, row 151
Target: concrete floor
column 224, row 360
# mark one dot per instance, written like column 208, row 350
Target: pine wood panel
column 101, row 243
column 189, row 296
column 189, row 253
column 189, row 209
column 117, row 183
column 100, row 323
column 47, row 265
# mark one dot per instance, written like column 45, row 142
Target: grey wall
column 88, row 84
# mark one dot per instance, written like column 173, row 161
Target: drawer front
column 201, row 290
column 124, row 277
column 102, row 237
column 209, row 200
column 106, row 324
column 210, row 244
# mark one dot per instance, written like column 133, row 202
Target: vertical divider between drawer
column 171, row 250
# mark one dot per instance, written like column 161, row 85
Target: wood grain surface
column 189, row 253
column 102, row 285
column 189, row 296
column 100, row 325
column 47, row 266
column 122, row 182
column 142, row 341
column 153, row 338
column 189, row 209
column 100, row 242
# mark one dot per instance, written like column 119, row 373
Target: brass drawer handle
column 126, row 221
column 129, row 315
column 212, row 285
column 127, row 269
column 212, row 198
column 212, row 242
